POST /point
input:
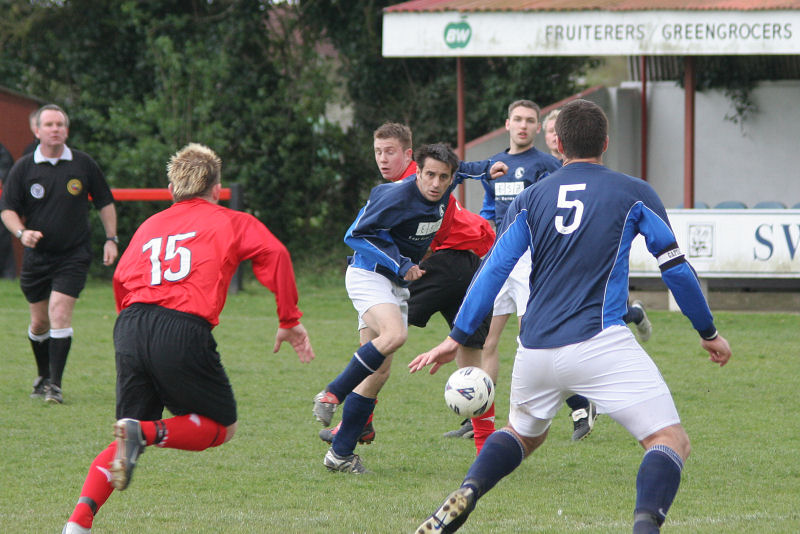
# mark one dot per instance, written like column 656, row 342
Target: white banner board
column 590, row 33
column 745, row 243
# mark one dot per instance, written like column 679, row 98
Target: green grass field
column 743, row 476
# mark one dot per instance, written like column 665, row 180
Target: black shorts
column 167, row 358
column 65, row 272
column 448, row 274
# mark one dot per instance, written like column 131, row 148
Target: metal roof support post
column 461, row 150
column 688, row 132
column 643, row 76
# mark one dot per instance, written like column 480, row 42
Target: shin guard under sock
column 355, row 415
column 365, row 361
column 185, row 432
column 501, row 454
column 483, row 427
column 40, row 343
column 96, row 488
column 657, row 482
column 60, row 343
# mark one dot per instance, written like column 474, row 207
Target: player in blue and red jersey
column 578, row 226
column 460, row 242
column 170, row 287
column 389, row 237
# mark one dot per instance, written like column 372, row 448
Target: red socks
column 483, row 427
column 185, row 432
column 96, row 488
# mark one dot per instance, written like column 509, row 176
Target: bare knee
column 529, row 444
column 230, row 430
column 388, row 342
column 674, row 437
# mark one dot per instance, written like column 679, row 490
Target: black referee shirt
column 54, row 199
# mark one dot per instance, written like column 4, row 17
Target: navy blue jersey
column 524, row 169
column 579, row 225
column 394, row 229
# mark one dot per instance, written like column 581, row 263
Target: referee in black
column 45, row 204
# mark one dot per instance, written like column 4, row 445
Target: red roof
column 592, row 5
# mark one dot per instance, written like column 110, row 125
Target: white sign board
column 590, row 33
column 730, row 244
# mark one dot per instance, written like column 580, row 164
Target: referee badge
column 74, row 187
column 37, row 191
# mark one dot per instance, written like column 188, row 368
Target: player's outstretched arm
column 718, row 348
column 298, row 339
column 443, row 353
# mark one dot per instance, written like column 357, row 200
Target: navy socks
column 656, row 485
column 500, row 455
column 355, row 413
column 365, row 361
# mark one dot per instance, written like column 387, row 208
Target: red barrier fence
column 155, row 194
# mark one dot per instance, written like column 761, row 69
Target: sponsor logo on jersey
column 74, row 187
column 37, row 191
column 428, row 228
column 508, row 189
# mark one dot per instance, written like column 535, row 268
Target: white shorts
column 368, row 288
column 611, row 370
column 513, row 296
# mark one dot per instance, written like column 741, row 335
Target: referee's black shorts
column 65, row 272
column 167, row 358
column 448, row 274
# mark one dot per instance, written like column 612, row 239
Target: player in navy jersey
column 578, row 226
column 45, row 204
column 170, row 287
column 636, row 313
column 527, row 166
column 390, row 236
column 463, row 238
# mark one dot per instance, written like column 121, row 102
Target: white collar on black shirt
column 38, row 157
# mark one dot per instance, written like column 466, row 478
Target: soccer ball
column 469, row 392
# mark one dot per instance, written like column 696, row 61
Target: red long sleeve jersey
column 184, row 257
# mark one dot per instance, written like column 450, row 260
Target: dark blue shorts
column 167, row 358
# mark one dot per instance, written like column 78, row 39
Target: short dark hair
column 582, row 128
column 394, row 130
column 525, row 104
column 438, row 151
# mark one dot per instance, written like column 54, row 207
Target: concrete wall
column 751, row 162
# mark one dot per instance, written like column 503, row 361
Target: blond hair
column 553, row 115
column 193, row 171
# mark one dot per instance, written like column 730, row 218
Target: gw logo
column 457, row 34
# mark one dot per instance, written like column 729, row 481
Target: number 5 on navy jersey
column 569, row 204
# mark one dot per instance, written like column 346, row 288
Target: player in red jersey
column 170, row 287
